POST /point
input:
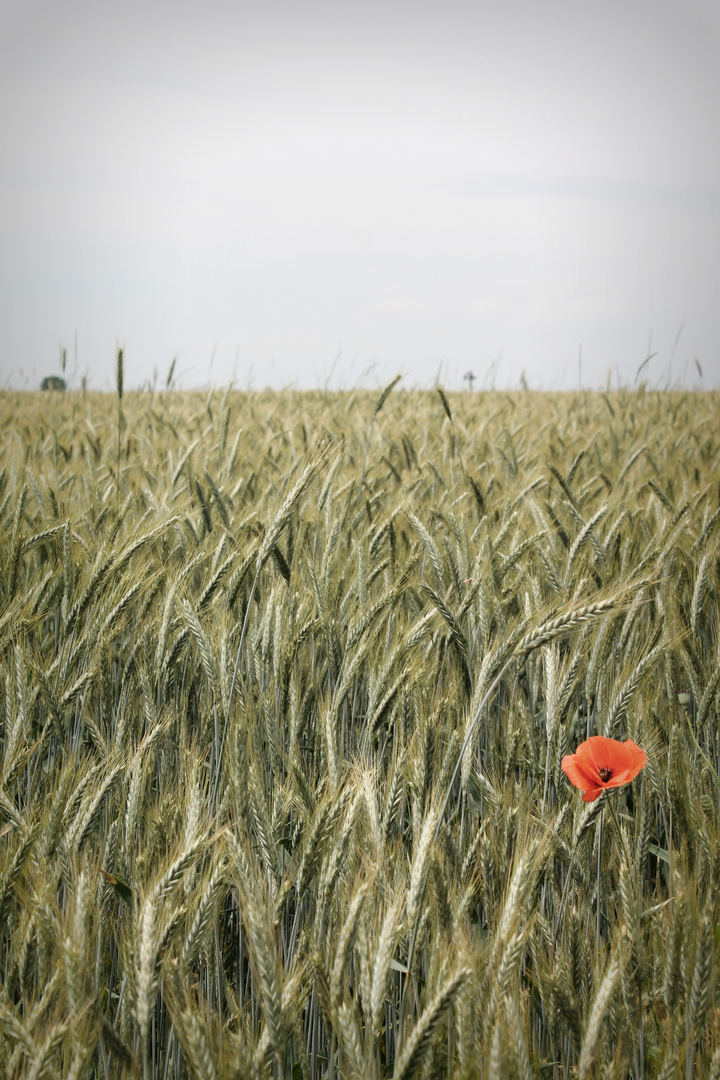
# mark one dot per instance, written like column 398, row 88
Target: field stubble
column 286, row 684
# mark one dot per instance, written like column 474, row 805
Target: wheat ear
column 597, row 1015
column 416, row 1046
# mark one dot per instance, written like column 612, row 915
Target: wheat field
column 286, row 684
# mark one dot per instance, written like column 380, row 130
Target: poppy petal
column 636, row 755
column 624, row 776
column 628, row 761
column 612, row 754
column 591, row 794
column 578, row 772
column 601, row 752
column 622, row 760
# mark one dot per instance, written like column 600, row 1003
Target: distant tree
column 52, row 382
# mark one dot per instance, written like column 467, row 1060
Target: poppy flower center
column 605, row 775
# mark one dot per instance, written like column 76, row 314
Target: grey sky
column 486, row 185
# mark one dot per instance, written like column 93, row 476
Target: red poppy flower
column 600, row 763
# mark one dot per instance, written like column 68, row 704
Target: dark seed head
column 605, row 775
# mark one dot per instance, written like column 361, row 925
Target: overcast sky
column 331, row 193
